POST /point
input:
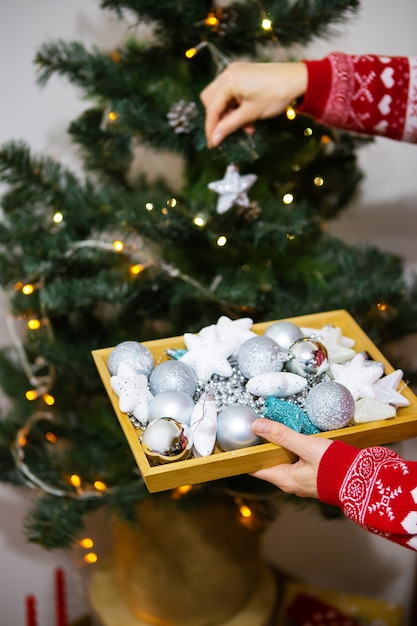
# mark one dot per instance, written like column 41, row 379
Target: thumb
column 306, row 447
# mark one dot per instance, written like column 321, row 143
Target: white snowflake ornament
column 133, row 392
column 207, row 355
column 232, row 189
column 359, row 376
column 235, row 331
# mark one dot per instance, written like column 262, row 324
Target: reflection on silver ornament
column 329, row 405
column 138, row 356
column 165, row 440
column 175, row 404
column 309, row 357
column 173, row 376
column 259, row 355
column 234, row 428
column 284, row 333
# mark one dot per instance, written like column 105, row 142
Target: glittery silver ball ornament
column 234, row 428
column 135, row 354
column 284, row 333
column 171, row 403
column 329, row 405
column 166, row 440
column 173, row 375
column 259, row 355
column 309, row 357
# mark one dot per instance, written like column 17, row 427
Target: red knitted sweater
column 375, row 95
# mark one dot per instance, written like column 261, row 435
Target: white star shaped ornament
column 386, row 389
column 235, row 331
column 232, row 189
column 207, row 355
column 133, row 392
column 359, row 376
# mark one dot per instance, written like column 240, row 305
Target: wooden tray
column 223, row 464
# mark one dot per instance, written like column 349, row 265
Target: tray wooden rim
column 247, row 460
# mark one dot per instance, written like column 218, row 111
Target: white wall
column 336, row 554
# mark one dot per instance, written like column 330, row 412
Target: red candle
column 31, row 611
column 60, row 604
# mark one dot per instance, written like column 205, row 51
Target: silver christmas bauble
column 135, row 354
column 259, row 355
column 234, row 427
column 173, row 375
column 171, row 403
column 308, row 357
column 165, row 440
column 284, row 333
column 329, row 405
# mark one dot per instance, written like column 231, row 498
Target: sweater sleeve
column 369, row 94
column 374, row 487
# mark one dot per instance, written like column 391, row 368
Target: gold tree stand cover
column 177, row 566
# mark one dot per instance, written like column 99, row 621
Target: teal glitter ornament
column 290, row 415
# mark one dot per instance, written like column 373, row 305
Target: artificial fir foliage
column 110, row 256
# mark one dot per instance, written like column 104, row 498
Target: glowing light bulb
column 191, row 52
column 221, row 241
column 31, row 395
column 211, row 20
column 28, row 289
column 172, row 202
column 381, row 306
column 291, row 113
column 136, row 269
column 75, row 480
column 318, row 181
column 149, row 206
column 99, row 485
column 48, row 399
column 308, row 131
column 287, row 198
column 245, row 511
column 112, row 116
column 290, row 236
column 34, row 324
column 58, row 217
column 118, row 245
column 91, row 557
column 86, row 542
column 266, row 24
column 51, row 437
column 199, row 220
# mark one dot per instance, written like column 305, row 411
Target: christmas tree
column 115, row 255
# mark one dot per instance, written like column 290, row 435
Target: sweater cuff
column 319, row 80
column 333, row 467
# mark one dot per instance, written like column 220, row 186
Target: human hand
column 299, row 478
column 246, row 92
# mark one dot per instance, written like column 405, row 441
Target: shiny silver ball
column 171, row 403
column 259, row 355
column 329, row 405
column 135, row 354
column 308, row 357
column 234, row 427
column 173, row 375
column 284, row 333
column 165, row 440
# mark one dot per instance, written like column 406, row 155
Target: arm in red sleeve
column 374, row 487
column 369, row 94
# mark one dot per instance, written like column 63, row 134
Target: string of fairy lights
column 41, row 374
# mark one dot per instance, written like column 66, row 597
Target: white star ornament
column 232, row 189
column 386, row 389
column 207, row 355
column 359, row 376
